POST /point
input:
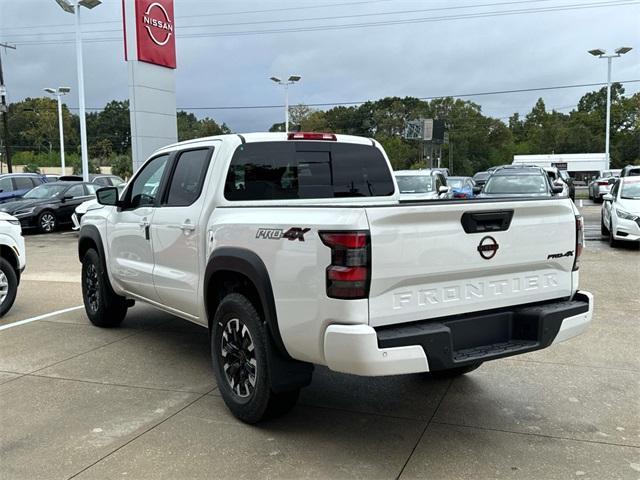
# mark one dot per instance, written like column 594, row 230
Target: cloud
column 419, row 59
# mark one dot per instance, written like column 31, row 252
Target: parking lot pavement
column 140, row 401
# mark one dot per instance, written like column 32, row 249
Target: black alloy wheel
column 238, row 358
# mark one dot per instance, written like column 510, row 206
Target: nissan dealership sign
column 155, row 29
column 150, row 51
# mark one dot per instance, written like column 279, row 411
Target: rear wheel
column 239, row 353
column 47, row 222
column 8, row 286
column 103, row 306
column 455, row 372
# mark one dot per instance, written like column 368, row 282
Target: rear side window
column 188, row 177
column 299, row 170
column 23, row 183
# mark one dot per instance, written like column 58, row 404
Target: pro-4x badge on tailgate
column 294, row 233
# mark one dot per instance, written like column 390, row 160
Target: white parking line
column 40, row 317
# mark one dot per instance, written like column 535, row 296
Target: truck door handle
column 144, row 223
column 187, row 227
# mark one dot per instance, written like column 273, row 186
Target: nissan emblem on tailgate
column 488, row 247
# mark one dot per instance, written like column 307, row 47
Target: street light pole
column 83, row 121
column 290, row 81
column 598, row 52
column 69, row 7
column 59, row 92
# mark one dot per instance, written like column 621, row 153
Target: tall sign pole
column 150, row 52
column 5, row 111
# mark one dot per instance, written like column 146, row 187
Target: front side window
column 188, row 177
column 102, row 181
column 144, row 189
column 298, row 170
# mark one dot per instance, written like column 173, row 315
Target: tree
column 122, row 166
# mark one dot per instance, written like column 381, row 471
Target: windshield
column 610, row 173
column 455, row 182
column 631, row 191
column 516, row 184
column 45, row 191
column 480, row 176
column 415, row 184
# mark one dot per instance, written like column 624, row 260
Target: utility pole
column 5, row 110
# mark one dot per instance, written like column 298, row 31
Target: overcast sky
column 438, row 57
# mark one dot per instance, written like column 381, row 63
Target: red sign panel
column 155, row 30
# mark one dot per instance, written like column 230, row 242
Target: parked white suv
column 12, row 260
column 295, row 250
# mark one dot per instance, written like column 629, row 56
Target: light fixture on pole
column 59, row 92
column 598, row 52
column 70, row 7
column 290, row 81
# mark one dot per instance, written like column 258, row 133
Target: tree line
column 478, row 141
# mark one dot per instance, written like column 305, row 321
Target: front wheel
column 239, row 353
column 612, row 241
column 103, row 306
column 8, row 286
column 47, row 222
column 603, row 229
column 455, row 372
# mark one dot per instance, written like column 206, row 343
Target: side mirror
column 612, row 181
column 608, row 197
column 67, row 197
column 443, row 189
column 477, row 190
column 107, row 196
column 557, row 189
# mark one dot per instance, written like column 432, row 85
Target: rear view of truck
column 454, row 284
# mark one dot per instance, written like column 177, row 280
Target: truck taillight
column 349, row 275
column 603, row 184
column 579, row 241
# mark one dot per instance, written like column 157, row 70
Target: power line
column 461, row 95
column 434, row 97
column 312, row 19
column 220, row 14
column 499, row 13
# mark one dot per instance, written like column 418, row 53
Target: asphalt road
column 141, row 401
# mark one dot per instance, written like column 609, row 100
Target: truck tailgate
column 425, row 265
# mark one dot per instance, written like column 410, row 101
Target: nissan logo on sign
column 155, row 32
column 165, row 26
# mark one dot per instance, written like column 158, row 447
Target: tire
column 613, row 243
column 47, row 221
column 603, row 229
column 8, row 286
column 239, row 354
column 454, row 372
column 104, row 308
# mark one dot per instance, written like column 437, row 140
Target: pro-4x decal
column 294, row 233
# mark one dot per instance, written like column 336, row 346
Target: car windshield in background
column 415, row 183
column 631, row 191
column 454, row 182
column 45, row 191
column 516, row 185
column 481, row 176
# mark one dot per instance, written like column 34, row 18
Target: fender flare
column 247, row 263
column 91, row 232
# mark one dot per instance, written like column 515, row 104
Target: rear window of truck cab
column 303, row 170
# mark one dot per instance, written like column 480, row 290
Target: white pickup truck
column 295, row 250
column 12, row 260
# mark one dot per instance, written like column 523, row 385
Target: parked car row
column 42, row 203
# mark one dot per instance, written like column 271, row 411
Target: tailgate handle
column 495, row 221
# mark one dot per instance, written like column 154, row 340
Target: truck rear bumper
column 457, row 341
